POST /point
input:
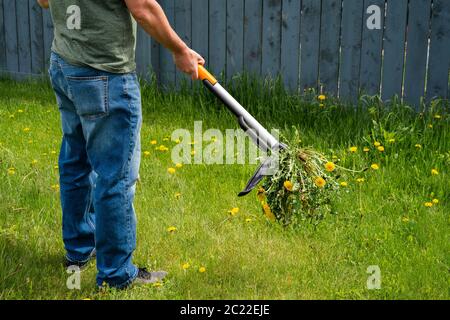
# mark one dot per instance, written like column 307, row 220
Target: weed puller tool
column 258, row 134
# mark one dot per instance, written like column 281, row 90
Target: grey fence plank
column 48, row 36
column 416, row 56
column 12, row 53
column 351, row 49
column 290, row 43
column 23, row 36
column 438, row 79
column 37, row 38
column 2, row 39
column 183, row 26
column 252, row 36
column 217, row 36
column 143, row 54
column 271, row 40
column 330, row 45
column 200, row 27
column 310, row 40
column 394, row 49
column 371, row 54
column 235, row 37
column 166, row 65
column 156, row 59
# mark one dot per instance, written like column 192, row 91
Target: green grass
column 382, row 221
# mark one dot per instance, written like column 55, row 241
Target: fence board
column 36, row 38
column 290, row 39
column 417, row 47
column 217, row 36
column 351, row 49
column 183, row 26
column 271, row 40
column 166, row 65
column 12, row 53
column 252, row 36
column 310, row 40
column 200, row 27
column 394, row 49
column 143, row 54
column 438, row 79
column 2, row 39
column 330, row 33
column 371, row 54
column 48, row 36
column 235, row 37
column 23, row 36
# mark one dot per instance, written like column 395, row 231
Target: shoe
column 145, row 277
column 80, row 265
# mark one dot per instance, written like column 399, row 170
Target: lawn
column 385, row 217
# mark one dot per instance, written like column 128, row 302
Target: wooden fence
column 331, row 45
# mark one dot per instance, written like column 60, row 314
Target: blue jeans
column 99, row 165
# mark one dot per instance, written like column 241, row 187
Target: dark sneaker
column 81, row 265
column 146, row 277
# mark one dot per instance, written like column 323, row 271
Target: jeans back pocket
column 89, row 95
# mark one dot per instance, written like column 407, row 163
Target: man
column 92, row 73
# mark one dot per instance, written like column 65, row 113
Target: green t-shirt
column 96, row 33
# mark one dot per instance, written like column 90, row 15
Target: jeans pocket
column 89, row 95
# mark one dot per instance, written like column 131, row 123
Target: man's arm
column 43, row 3
column 151, row 17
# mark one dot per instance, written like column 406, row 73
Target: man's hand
column 187, row 61
column 151, row 17
column 43, row 3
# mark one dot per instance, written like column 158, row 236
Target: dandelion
column 360, row 180
column 171, row 229
column 344, row 184
column 366, row 149
column 288, row 185
column 248, row 220
column 202, row 269
column 157, row 284
column 34, row 162
column 193, row 153
column 377, row 144
column 320, row 182
column 381, row 148
column 166, row 139
column 330, row 166
column 186, row 266
column 162, row 148
column 56, row 167
column 53, row 152
column 391, row 140
column 26, row 129
column 11, row 171
column 268, row 212
column 438, row 117
column 435, row 201
column 171, row 170
column 55, row 187
column 233, row 211
column 428, row 204
column 177, row 195
column 147, row 153
column 353, row 149
column 177, row 141
column 405, row 219
column 434, row 172
column 430, row 126
column 179, row 165
column 153, row 142
column 418, row 146
column 322, row 97
column 375, row 166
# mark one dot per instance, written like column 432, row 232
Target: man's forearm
column 43, row 3
column 151, row 17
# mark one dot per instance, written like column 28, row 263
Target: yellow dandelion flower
column 248, row 220
column 179, row 165
column 147, row 153
column 202, row 269
column 162, row 148
column 344, row 184
column 320, row 182
column 234, row 211
column 330, row 166
column 418, row 146
column 20, row 111
column 288, row 185
column 171, row 229
column 177, row 195
column 434, row 172
column 193, row 153
column 391, row 140
column 438, row 116
column 171, row 170
column 11, row 171
column 166, row 139
column 55, row 187
column 157, row 284
column 430, row 126
column 366, row 149
column 381, row 148
column 428, row 204
column 26, row 129
column 34, row 162
column 375, row 166
column 376, row 144
column 353, row 149
column 322, row 97
column 56, row 167
column 360, row 180
column 405, row 219
column 177, row 141
column 186, row 266
column 435, row 201
column 153, row 142
column 268, row 212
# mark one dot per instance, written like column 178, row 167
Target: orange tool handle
column 204, row 74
